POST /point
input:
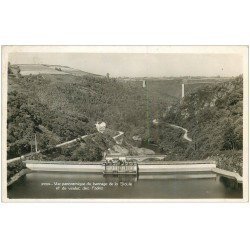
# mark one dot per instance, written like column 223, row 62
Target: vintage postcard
column 124, row 123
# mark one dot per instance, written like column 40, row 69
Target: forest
column 213, row 116
column 58, row 108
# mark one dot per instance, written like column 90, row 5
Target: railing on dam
column 137, row 158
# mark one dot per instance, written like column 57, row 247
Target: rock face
column 137, row 138
column 155, row 122
column 142, row 151
column 100, row 127
column 119, row 150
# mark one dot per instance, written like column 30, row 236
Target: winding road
column 185, row 136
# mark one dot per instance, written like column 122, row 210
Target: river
column 53, row 185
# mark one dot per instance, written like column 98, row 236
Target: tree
column 9, row 69
column 229, row 138
column 88, row 152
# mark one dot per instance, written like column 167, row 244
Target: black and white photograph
column 125, row 123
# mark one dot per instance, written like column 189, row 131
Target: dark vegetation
column 87, row 149
column 58, row 108
column 213, row 116
column 14, row 168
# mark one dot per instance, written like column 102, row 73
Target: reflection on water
column 230, row 183
column 46, row 185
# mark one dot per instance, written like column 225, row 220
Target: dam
column 125, row 178
column 122, row 166
column 102, row 166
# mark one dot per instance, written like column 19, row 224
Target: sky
column 138, row 64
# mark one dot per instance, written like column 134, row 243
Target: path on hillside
column 69, row 142
column 56, row 146
column 115, row 137
column 61, row 145
column 185, row 136
column 136, row 150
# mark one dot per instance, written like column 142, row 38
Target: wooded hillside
column 58, row 108
column 213, row 116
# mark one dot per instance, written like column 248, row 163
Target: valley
column 59, row 104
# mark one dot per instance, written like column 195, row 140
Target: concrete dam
column 199, row 168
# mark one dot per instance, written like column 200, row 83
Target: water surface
column 52, row 185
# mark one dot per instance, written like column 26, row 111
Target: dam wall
column 87, row 167
column 178, row 166
column 175, row 168
column 96, row 167
column 228, row 174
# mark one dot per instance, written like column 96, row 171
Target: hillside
column 61, row 107
column 213, row 116
column 35, row 69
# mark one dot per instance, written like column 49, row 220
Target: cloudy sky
column 139, row 64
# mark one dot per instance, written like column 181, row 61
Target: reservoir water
column 53, row 185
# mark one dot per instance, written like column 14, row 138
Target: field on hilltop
column 35, row 69
column 27, row 69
